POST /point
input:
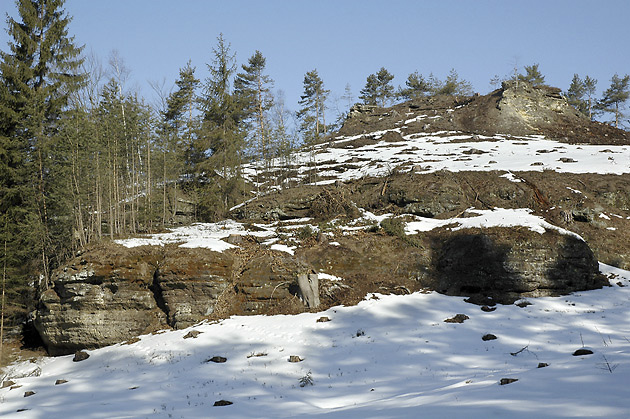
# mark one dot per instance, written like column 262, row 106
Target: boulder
column 101, row 298
column 506, row 264
column 111, row 294
column 189, row 282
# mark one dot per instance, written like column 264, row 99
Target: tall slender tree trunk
column 4, row 282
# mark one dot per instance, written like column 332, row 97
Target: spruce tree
column 177, row 135
column 253, row 88
column 369, row 91
column 615, row 97
column 221, row 141
column 180, row 104
column 313, row 102
column 575, row 94
column 415, row 87
column 38, row 73
column 454, row 86
column 532, row 75
column 378, row 89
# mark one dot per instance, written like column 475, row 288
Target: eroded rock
column 507, row 264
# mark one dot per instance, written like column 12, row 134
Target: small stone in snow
column 192, row 334
column 505, row 381
column 80, row 356
column 459, row 318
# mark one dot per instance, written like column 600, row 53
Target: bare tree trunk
column 148, row 186
column 99, row 206
column 4, row 281
column 164, row 191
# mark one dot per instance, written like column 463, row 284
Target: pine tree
column 221, row 141
column 37, row 74
column 177, row 137
column 313, row 102
column 178, row 115
column 590, row 85
column 533, row 76
column 615, row 97
column 378, row 89
column 454, row 86
column 575, row 94
column 434, row 83
column 416, row 87
column 369, row 91
column 253, row 88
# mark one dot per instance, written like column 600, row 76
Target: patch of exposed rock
column 517, row 108
column 506, row 264
column 111, row 293
column 95, row 302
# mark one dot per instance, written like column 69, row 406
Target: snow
column 430, row 152
column 497, row 217
column 283, row 248
column 199, row 235
column 389, row 356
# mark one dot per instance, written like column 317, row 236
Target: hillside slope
column 394, row 204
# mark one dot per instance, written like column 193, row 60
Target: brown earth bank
column 595, row 206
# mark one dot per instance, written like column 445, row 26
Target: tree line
column 85, row 159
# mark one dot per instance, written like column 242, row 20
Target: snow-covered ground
column 389, row 356
column 425, row 153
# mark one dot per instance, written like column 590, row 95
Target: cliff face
column 112, row 293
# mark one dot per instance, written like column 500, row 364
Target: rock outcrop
column 112, row 293
column 99, row 301
column 517, row 108
column 505, row 264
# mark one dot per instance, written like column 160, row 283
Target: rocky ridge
column 111, row 293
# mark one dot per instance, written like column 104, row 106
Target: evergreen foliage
column 83, row 159
column 615, row 97
column 38, row 73
column 253, row 88
column 454, row 86
column 415, row 86
column 378, row 89
column 313, row 112
column 177, row 137
column 532, row 75
column 221, row 141
column 580, row 94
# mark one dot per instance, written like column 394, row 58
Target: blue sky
column 348, row 40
